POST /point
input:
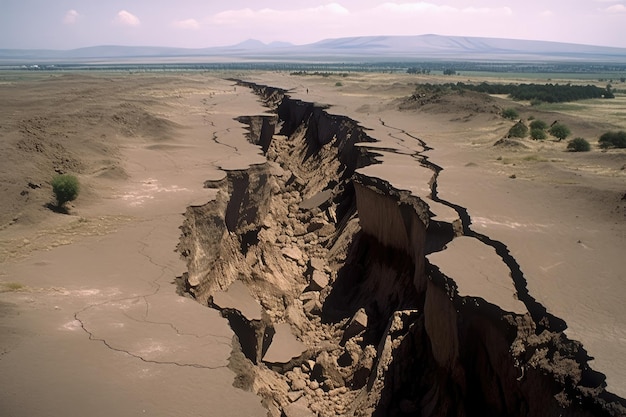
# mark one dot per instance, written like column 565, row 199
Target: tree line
column 549, row 93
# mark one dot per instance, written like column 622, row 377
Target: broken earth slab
column 403, row 172
column 284, row 347
column 442, row 213
column 299, row 408
column 238, row 297
column 478, row 272
column 321, row 199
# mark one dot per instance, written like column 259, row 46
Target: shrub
column 613, row 140
column 519, row 130
column 538, row 124
column 65, row 188
column 578, row 145
column 338, row 84
column 538, row 134
column 510, row 114
column 559, row 131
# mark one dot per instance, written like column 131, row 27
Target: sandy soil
column 89, row 317
column 91, row 323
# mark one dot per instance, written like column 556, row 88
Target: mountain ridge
column 363, row 48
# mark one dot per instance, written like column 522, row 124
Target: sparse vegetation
column 535, row 158
column 538, row 134
column 510, row 114
column 11, row 287
column 578, row 145
column 65, row 188
column 538, row 124
column 613, row 140
column 519, row 130
column 559, row 131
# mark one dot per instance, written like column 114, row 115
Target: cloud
column 126, row 19
column 616, row 8
column 546, row 13
column 425, row 7
column 186, row 24
column 241, row 16
column 333, row 20
column 71, row 17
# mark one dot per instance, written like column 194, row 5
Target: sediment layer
column 360, row 311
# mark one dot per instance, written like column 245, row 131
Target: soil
column 89, row 314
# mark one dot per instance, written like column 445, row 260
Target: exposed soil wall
column 341, row 257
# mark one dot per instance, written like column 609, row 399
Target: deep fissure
column 339, row 257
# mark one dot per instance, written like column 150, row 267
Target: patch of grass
column 561, row 107
column 510, row 113
column 534, row 158
column 11, row 287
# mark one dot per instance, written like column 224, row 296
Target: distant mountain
column 354, row 49
column 464, row 48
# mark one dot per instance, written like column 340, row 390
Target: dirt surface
column 561, row 214
column 89, row 315
column 91, row 322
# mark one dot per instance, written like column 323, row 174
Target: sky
column 69, row 24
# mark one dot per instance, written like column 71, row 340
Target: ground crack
column 538, row 312
column 156, row 288
column 134, row 355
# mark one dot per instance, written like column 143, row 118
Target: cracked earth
column 96, row 327
column 90, row 323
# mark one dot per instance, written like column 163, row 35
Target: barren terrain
column 374, row 253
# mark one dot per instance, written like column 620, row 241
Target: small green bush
column 338, row 84
column 578, row 145
column 538, row 134
column 65, row 188
column 559, row 131
column 613, row 140
column 538, row 124
column 510, row 114
column 536, row 102
column 519, row 130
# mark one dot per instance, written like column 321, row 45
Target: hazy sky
column 67, row 24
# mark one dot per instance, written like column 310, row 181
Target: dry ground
column 143, row 144
column 90, row 320
column 561, row 214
